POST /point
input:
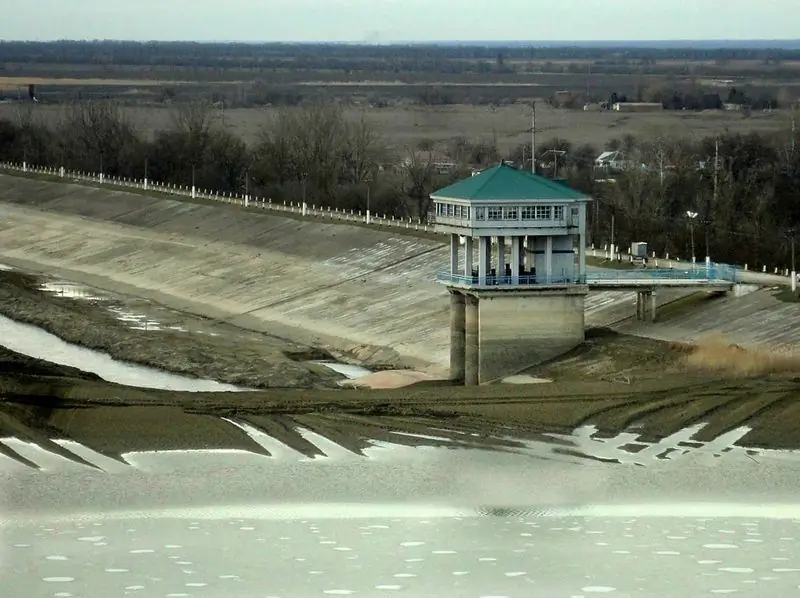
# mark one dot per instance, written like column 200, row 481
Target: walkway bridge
column 713, row 277
column 645, row 281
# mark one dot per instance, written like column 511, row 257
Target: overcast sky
column 399, row 20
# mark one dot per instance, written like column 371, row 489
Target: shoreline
column 615, row 382
column 179, row 343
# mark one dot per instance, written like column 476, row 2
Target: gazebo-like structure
column 521, row 300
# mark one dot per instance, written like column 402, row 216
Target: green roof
column 505, row 182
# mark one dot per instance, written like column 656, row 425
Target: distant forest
column 397, row 58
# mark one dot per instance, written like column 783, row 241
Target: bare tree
column 419, row 171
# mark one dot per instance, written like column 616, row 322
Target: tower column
column 468, row 256
column 516, row 242
column 484, row 258
column 548, row 258
column 457, row 336
column 501, row 257
column 472, row 351
column 454, row 242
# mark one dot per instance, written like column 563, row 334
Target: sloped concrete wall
column 334, row 284
column 517, row 330
column 344, row 286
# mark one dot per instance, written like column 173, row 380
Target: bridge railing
column 715, row 273
column 489, row 281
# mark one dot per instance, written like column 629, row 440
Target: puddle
column 35, row 342
column 135, row 321
column 71, row 290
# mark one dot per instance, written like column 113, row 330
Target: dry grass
column 508, row 126
column 715, row 354
column 12, row 83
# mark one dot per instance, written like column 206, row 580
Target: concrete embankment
column 365, row 291
column 317, row 283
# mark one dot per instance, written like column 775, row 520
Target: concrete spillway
column 367, row 290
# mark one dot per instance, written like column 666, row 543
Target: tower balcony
column 495, row 282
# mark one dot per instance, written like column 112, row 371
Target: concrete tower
column 522, row 301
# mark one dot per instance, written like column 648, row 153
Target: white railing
column 302, row 208
column 244, row 200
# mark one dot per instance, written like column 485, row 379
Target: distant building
column 440, row 162
column 611, row 160
column 638, row 107
column 562, row 98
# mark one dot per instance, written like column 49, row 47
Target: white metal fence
column 244, row 200
column 300, row 208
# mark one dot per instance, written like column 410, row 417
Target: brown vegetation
column 714, row 354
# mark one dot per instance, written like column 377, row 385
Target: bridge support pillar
column 646, row 306
column 457, row 336
column 653, row 306
column 472, row 347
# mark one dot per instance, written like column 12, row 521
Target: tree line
column 743, row 188
column 311, row 153
column 734, row 197
column 349, row 56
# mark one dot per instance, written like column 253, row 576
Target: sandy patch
column 390, row 379
column 525, row 379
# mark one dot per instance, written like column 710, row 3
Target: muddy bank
column 614, row 382
column 179, row 343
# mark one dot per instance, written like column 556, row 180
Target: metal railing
column 724, row 272
column 522, row 280
column 244, row 200
column 715, row 272
column 698, row 274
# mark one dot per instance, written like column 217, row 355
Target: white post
column 548, row 258
column 369, row 218
column 102, row 178
column 193, row 192
column 613, row 253
column 24, row 166
column 305, row 208
column 61, row 172
column 794, row 281
column 246, row 200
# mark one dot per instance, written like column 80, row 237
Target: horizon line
column 549, row 42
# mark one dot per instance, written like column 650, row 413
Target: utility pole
column 533, row 137
column 713, row 198
column 692, row 216
column 794, row 269
column 612, row 238
column 588, row 76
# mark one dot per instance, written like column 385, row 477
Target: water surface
column 35, row 342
